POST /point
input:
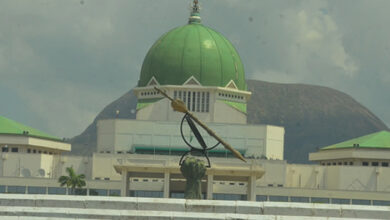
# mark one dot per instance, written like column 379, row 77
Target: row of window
column 13, row 149
column 375, row 164
column 274, row 198
column 16, row 150
column 102, row 178
column 345, row 163
column 58, row 191
column 180, row 195
column 232, row 96
column 34, row 151
column 364, row 163
column 321, row 200
column 195, row 101
column 152, row 92
column 162, row 180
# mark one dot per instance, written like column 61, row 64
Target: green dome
column 193, row 50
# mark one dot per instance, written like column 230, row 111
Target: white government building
column 140, row 158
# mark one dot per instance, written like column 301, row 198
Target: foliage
column 72, row 180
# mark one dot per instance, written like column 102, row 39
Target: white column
column 125, row 183
column 167, row 180
column 251, row 193
column 210, row 183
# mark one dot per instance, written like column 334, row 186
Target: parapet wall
column 89, row 207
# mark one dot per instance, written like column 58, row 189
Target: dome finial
column 195, row 16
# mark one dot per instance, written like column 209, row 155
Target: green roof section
column 237, row 105
column 8, row 126
column 379, row 139
column 142, row 103
column 193, row 50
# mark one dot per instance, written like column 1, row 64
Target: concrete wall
column 27, row 165
column 45, row 206
column 224, row 113
column 359, row 178
column 118, row 135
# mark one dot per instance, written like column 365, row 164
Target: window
column 142, row 193
column 29, row 150
column 39, row 151
column 106, row 178
column 365, row 163
column 334, row 164
column 114, row 192
column 361, row 202
column 17, row 189
column 328, row 164
column 260, row 198
column 385, row 164
column 340, row 163
column 175, row 95
column 278, row 198
column 81, row 192
column 299, row 199
column 222, row 196
column 345, row 163
column 382, row 203
column 375, row 164
column 4, row 149
column 319, row 200
column 177, row 195
column 15, row 150
column 193, row 100
column 184, row 97
column 203, row 99
column 2, row 189
column 36, row 190
column 351, row 163
column 198, row 101
column 179, row 94
column 189, row 101
column 340, row 201
column 34, row 151
column 98, row 192
column 207, row 101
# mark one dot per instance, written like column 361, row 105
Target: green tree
column 72, row 180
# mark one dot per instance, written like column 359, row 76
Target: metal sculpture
column 191, row 119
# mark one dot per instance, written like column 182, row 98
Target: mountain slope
column 313, row 116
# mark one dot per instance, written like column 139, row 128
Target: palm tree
column 72, row 180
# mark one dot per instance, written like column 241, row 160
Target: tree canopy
column 73, row 180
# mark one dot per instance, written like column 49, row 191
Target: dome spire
column 195, row 16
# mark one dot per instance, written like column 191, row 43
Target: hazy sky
column 61, row 61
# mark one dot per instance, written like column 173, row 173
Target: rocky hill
column 313, row 116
